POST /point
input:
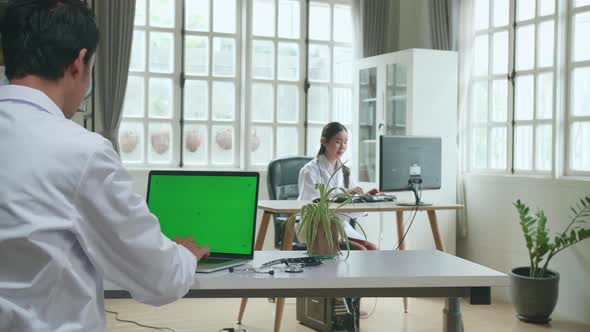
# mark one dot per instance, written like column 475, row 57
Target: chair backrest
column 283, row 177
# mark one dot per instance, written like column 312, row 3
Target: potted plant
column 534, row 288
column 319, row 220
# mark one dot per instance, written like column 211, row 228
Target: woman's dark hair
column 330, row 130
column 43, row 37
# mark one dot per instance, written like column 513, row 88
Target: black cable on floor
column 136, row 323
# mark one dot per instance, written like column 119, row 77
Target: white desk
column 365, row 273
column 291, row 207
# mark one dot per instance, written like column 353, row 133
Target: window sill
column 501, row 177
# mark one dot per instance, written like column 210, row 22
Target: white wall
column 495, row 239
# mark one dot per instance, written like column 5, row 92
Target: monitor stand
column 417, row 201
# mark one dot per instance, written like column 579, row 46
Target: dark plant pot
column 534, row 298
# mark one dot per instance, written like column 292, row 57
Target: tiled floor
column 424, row 315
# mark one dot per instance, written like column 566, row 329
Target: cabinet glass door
column 367, row 124
column 396, row 99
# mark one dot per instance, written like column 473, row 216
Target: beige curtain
column 444, row 17
column 465, row 69
column 115, row 21
column 375, row 26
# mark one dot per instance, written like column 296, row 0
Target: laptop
column 217, row 209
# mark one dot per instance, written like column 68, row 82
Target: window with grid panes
column 276, row 75
column 489, row 111
column 181, row 105
column 149, row 127
column 578, row 117
column 512, row 86
column 184, row 97
column 329, row 70
column 534, row 82
column 211, row 112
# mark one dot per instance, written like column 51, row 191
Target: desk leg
column 402, row 244
column 452, row 315
column 287, row 245
column 262, row 231
column 438, row 242
column 279, row 314
column 288, row 236
column 257, row 246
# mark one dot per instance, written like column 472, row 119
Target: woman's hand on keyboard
column 356, row 191
column 374, row 191
column 190, row 244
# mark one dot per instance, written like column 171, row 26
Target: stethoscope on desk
column 292, row 268
column 294, row 265
column 250, row 270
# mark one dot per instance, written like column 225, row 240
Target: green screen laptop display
column 217, row 209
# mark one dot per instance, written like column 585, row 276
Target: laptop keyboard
column 213, row 260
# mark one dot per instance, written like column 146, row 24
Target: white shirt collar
column 326, row 164
column 30, row 96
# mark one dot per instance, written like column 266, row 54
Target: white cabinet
column 411, row 92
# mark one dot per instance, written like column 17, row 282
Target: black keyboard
column 367, row 199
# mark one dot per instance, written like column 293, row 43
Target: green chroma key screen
column 217, row 210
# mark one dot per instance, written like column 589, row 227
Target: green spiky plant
column 536, row 234
column 322, row 214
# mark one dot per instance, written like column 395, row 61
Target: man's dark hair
column 43, row 37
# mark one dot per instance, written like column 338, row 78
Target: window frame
column 275, row 82
column 571, row 65
column 535, row 72
column 511, row 122
column 243, row 81
column 210, row 79
column 311, row 139
column 146, row 74
column 489, row 78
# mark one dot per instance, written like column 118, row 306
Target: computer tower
column 329, row 314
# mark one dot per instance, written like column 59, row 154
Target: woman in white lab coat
column 334, row 142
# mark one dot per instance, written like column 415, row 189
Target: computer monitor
column 409, row 163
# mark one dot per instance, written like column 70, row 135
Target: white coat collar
column 30, row 96
column 326, row 164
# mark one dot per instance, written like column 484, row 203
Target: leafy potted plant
column 319, row 220
column 534, row 288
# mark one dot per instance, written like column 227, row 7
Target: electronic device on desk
column 367, row 199
column 304, row 261
column 329, row 314
column 226, row 225
column 409, row 163
column 363, row 199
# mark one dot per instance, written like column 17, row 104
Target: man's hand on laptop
column 192, row 246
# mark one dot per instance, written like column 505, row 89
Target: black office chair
column 282, row 182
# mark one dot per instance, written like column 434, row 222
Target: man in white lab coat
column 68, row 213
